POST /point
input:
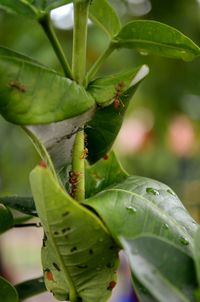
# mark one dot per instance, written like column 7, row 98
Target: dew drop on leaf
column 131, row 209
column 184, row 241
column 152, row 191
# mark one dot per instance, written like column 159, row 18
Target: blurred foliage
column 171, row 89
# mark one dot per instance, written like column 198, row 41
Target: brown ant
column 16, row 85
column 73, row 180
column 118, row 92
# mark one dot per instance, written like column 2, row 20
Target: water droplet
column 171, row 192
column 131, row 209
column 165, row 226
column 184, row 241
column 152, row 191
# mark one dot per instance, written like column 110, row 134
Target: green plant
column 91, row 209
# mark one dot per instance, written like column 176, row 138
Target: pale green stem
column 47, row 27
column 78, row 69
column 91, row 73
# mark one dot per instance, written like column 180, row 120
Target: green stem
column 81, row 9
column 91, row 73
column 80, row 40
column 48, row 29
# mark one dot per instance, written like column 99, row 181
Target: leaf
column 196, row 253
column 22, row 7
column 32, row 9
column 105, row 172
column 152, row 37
column 104, row 15
column 6, row 219
column 22, row 204
column 85, row 254
column 25, row 89
column 166, row 271
column 8, row 292
column 139, row 206
column 104, row 90
column 106, row 123
column 30, row 288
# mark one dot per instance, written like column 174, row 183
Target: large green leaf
column 7, row 291
column 30, row 288
column 6, row 218
column 166, row 271
column 104, row 15
column 106, row 123
column 152, row 37
column 105, row 172
column 196, row 253
column 78, row 246
column 22, row 204
column 140, row 205
column 33, row 94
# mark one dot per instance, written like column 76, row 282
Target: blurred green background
column 160, row 135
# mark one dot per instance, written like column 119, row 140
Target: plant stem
column 78, row 70
column 91, row 73
column 80, row 40
column 47, row 27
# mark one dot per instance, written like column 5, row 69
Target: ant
column 16, row 85
column 73, row 180
column 118, row 92
column 85, row 150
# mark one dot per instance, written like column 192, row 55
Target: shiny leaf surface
column 140, row 205
column 166, row 271
column 152, row 37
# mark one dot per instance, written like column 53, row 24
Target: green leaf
column 104, row 90
column 106, row 123
column 8, row 292
column 82, row 251
column 6, row 219
column 25, row 87
column 21, row 7
column 30, row 288
column 104, row 15
column 196, row 253
column 140, row 205
column 32, row 9
column 152, row 37
column 104, row 173
column 166, row 271
column 22, row 204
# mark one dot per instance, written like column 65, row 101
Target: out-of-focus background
column 159, row 137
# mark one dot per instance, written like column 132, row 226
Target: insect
column 84, row 154
column 118, row 92
column 73, row 180
column 105, row 157
column 16, row 85
column 111, row 285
